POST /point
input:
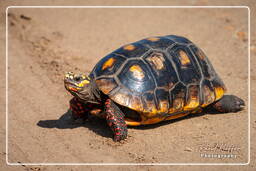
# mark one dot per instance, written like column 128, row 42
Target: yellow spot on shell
column 137, row 72
column 219, row 92
column 153, row 39
column 157, row 60
column 192, row 104
column 163, row 105
column 109, row 63
column 209, row 96
column 129, row 47
column 150, row 107
column 178, row 104
column 184, row 59
column 193, row 100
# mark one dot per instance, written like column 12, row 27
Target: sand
column 45, row 43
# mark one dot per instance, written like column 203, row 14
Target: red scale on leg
column 115, row 120
column 79, row 110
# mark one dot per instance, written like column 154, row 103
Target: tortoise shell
column 159, row 76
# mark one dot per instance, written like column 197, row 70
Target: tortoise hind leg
column 115, row 120
column 228, row 103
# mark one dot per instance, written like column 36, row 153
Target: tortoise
column 152, row 80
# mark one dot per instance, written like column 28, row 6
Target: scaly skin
column 113, row 115
column 78, row 109
column 115, row 120
column 81, row 110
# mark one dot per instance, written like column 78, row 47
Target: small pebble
column 241, row 35
column 188, row 149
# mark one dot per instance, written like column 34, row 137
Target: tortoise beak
column 69, row 82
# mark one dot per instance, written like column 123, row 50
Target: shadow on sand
column 99, row 126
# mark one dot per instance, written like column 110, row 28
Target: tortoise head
column 78, row 85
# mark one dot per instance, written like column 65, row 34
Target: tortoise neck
column 94, row 94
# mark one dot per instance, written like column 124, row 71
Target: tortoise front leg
column 79, row 109
column 228, row 103
column 115, row 120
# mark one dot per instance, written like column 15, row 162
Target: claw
column 240, row 104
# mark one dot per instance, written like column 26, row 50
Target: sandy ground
column 45, row 43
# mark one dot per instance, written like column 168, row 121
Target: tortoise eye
column 77, row 78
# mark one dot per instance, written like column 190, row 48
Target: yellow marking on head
column 184, row 59
column 67, row 75
column 129, row 47
column 157, row 61
column 83, row 83
column 109, row 63
column 153, row 39
column 137, row 72
column 219, row 92
column 105, row 85
column 86, row 77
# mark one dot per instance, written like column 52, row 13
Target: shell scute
column 108, row 65
column 162, row 69
column 132, row 50
column 135, row 76
column 186, row 64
